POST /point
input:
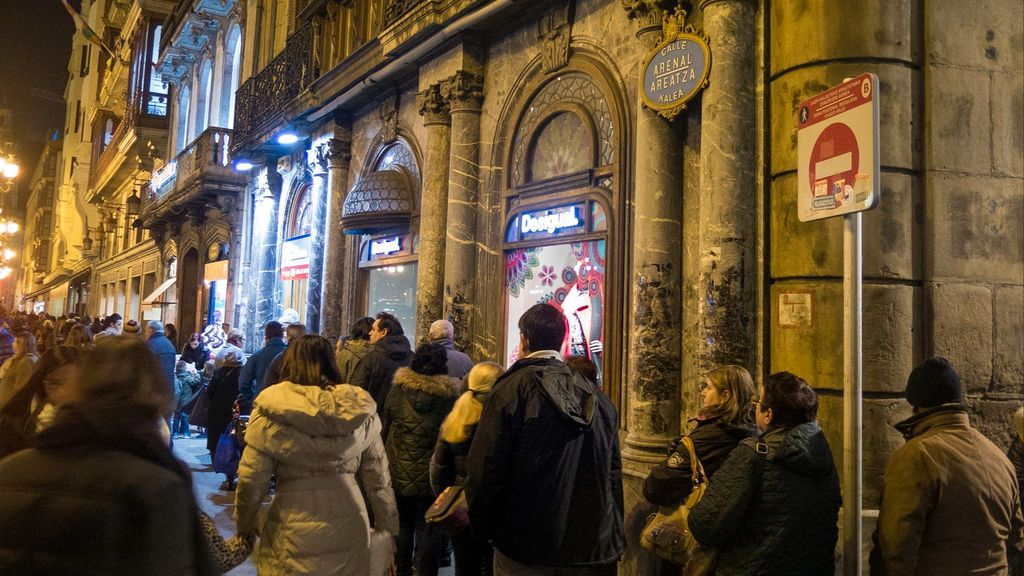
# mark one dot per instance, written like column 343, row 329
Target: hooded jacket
column 950, row 503
column 775, row 513
column 319, row 443
column 416, row 407
column 378, row 367
column 350, row 357
column 459, row 364
column 544, row 474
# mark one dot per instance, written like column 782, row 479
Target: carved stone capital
column 338, row 152
column 317, row 161
column 649, row 14
column 433, row 106
column 284, row 165
column 464, row 92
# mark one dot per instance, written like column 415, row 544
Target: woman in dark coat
column 222, row 391
column 195, row 351
column 100, row 492
column 420, row 398
column 773, row 506
column 32, row 408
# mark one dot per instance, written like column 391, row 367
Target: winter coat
column 6, row 344
column 950, row 502
column 15, row 373
column 669, row 483
column 375, row 371
column 96, row 501
column 1016, row 456
column 322, row 445
column 166, row 354
column 459, row 364
column 188, row 386
column 448, row 464
column 222, row 391
column 776, row 513
column 544, row 474
column 350, row 357
column 417, row 405
column 250, row 381
column 197, row 356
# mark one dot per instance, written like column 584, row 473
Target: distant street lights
column 9, row 170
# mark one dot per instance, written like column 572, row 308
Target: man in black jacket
column 544, row 475
column 390, row 352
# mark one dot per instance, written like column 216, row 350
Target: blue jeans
column 180, row 423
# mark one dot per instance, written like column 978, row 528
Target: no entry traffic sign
column 837, row 145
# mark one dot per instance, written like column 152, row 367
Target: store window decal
column 570, row 277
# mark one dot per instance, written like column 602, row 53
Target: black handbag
column 200, row 415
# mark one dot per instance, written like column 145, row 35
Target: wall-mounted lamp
column 287, row 138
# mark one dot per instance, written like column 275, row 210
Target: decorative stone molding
column 284, row 165
column 433, row 106
column 649, row 14
column 554, row 31
column 317, row 160
column 389, row 119
column 463, row 92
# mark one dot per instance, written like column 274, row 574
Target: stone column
column 265, row 225
column 335, row 311
column 652, row 414
column 653, row 379
column 433, row 210
column 317, row 163
column 728, row 188
column 464, row 95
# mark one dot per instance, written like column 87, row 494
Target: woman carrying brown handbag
column 724, row 420
column 448, row 466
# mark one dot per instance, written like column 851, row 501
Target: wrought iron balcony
column 263, row 98
column 130, row 139
column 203, row 167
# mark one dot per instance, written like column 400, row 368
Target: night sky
column 35, row 44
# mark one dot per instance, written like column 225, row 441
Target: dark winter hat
column 933, row 383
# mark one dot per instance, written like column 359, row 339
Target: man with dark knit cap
column 950, row 504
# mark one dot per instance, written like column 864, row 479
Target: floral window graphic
column 570, row 277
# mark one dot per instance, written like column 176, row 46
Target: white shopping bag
column 382, row 553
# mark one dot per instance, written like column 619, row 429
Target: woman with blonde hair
column 121, row 503
column 79, row 337
column 322, row 441
column 16, row 370
column 32, row 408
column 724, row 420
column 448, row 465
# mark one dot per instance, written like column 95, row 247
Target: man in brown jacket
column 951, row 504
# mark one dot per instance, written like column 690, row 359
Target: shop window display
column 570, row 277
column 393, row 289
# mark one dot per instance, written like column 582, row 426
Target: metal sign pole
column 852, row 391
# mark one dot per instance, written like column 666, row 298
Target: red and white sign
column 295, row 258
column 837, row 150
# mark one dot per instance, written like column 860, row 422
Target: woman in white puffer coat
column 317, row 438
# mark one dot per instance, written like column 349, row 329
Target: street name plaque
column 675, row 71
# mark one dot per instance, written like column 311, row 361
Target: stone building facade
column 467, row 158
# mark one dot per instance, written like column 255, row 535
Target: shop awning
column 378, row 201
column 53, row 283
column 159, row 291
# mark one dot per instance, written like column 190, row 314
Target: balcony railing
column 264, row 96
column 133, row 118
column 206, row 157
column 396, row 9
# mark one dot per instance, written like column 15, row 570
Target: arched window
column 300, row 216
column 181, row 124
column 230, row 78
column 203, row 89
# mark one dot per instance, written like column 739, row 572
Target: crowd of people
column 356, row 442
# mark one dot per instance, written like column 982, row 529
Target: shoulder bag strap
column 698, row 475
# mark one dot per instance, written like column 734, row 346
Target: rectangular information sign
column 837, row 150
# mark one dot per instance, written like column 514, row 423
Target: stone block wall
column 806, row 259
column 973, row 203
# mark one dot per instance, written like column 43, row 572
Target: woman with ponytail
column 448, row 465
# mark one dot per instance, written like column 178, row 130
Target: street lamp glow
column 10, row 170
column 8, row 254
column 12, row 227
column 287, row 138
column 243, row 165
column 5, row 272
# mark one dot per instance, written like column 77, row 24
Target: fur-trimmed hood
column 418, row 385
